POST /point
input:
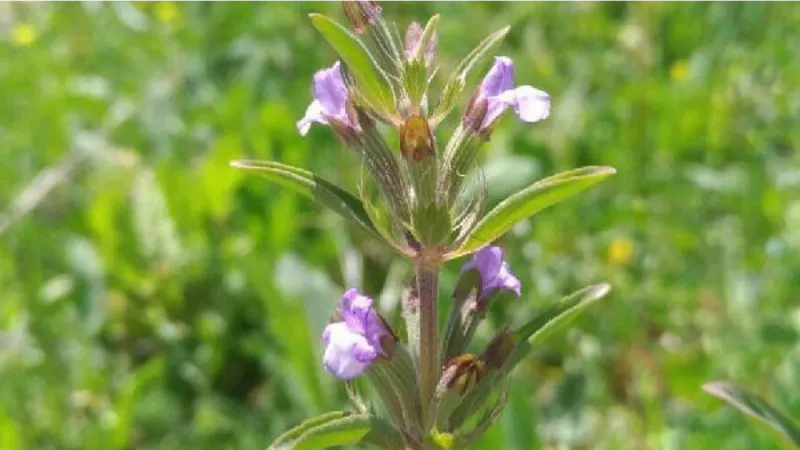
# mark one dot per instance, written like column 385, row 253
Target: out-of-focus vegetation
column 153, row 297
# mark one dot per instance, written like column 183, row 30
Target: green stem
column 427, row 285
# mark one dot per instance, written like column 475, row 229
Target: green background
column 152, row 297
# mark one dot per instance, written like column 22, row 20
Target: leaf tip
column 315, row 18
column 433, row 22
column 607, row 170
column 600, row 290
column 717, row 388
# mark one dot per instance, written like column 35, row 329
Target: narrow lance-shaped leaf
column 458, row 80
column 528, row 202
column 373, row 85
column 314, row 187
column 756, row 407
column 554, row 319
column 339, row 428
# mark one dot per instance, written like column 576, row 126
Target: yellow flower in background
column 621, row 250
column 167, row 12
column 679, row 70
column 24, row 35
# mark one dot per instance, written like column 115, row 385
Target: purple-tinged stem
column 427, row 285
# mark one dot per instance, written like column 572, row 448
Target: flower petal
column 347, row 354
column 355, row 309
column 499, row 79
column 360, row 316
column 313, row 114
column 330, row 91
column 489, row 261
column 530, row 104
column 494, row 271
column 495, row 107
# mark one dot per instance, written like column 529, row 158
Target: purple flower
column 497, row 89
column 352, row 345
column 494, row 271
column 330, row 100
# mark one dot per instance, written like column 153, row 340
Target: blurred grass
column 151, row 297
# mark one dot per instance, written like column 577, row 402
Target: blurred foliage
column 152, row 297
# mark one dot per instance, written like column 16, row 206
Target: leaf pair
column 498, row 221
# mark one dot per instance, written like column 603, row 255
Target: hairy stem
column 427, row 286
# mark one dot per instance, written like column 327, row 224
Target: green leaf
column 756, row 407
column 553, row 319
column 373, row 84
column 458, row 79
column 314, row 187
column 339, row 428
column 528, row 202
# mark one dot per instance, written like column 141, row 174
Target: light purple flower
column 330, row 100
column 497, row 88
column 494, row 271
column 352, row 345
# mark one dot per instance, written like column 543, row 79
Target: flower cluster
column 495, row 95
column 435, row 392
column 362, row 336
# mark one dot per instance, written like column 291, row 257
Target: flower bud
column 361, row 14
column 421, row 44
column 462, row 374
column 413, row 36
column 416, row 139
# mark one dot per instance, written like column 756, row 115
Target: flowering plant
column 432, row 392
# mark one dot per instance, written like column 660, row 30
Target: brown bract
column 416, row 139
